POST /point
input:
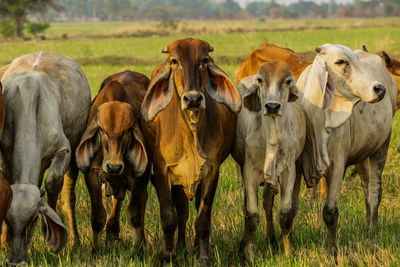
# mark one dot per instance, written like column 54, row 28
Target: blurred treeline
column 127, row 10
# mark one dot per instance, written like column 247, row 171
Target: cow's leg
column 68, row 199
column 203, row 219
column 55, row 177
column 167, row 212
column 181, row 203
column 251, row 178
column 376, row 163
column 330, row 212
column 363, row 169
column 290, row 188
column 268, row 204
column 98, row 212
column 112, row 225
column 136, row 212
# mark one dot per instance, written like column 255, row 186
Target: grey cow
column 270, row 137
column 47, row 100
column 346, row 125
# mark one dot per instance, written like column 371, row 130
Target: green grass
column 101, row 49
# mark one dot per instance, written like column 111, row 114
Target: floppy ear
column 221, row 88
column 57, row 234
column 158, row 96
column 88, row 147
column 293, row 92
column 325, row 81
column 136, row 153
column 250, row 98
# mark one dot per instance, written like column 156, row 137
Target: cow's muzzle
column 193, row 100
column 273, row 109
column 115, row 169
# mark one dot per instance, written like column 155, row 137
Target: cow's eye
column 288, row 82
column 259, row 80
column 206, row 60
column 341, row 62
column 174, row 61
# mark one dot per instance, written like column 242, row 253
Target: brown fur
column 187, row 152
column 266, row 53
column 114, row 136
column 5, row 189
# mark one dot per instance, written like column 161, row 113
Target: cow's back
column 266, row 53
column 64, row 81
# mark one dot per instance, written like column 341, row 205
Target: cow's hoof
column 95, row 253
column 204, row 262
column 138, row 252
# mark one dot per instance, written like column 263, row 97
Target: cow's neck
column 181, row 146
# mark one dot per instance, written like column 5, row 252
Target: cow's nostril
column 185, row 98
column 193, row 99
column 272, row 107
column 114, row 168
column 380, row 90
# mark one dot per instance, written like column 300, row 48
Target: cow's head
column 272, row 88
column 393, row 66
column 338, row 68
column 191, row 72
column 116, row 132
column 28, row 202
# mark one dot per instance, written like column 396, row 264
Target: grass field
column 105, row 48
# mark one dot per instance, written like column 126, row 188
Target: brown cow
column 5, row 189
column 191, row 104
column 112, row 152
column 266, row 53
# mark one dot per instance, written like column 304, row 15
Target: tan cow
column 112, row 152
column 190, row 105
column 270, row 137
column 266, row 53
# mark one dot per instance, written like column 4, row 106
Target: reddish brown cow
column 5, row 189
column 192, row 105
column 112, row 152
column 266, row 53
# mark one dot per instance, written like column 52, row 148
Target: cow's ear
column 293, row 92
column 57, row 234
column 136, row 153
column 88, row 147
column 251, row 100
column 158, row 96
column 325, row 80
column 221, row 88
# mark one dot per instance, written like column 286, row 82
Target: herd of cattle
column 286, row 119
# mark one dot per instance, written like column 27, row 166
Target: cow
column 112, row 152
column 5, row 189
column 47, row 100
column 266, row 53
column 346, row 95
column 270, row 137
column 191, row 107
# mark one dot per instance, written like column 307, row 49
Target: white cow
column 270, row 138
column 343, row 128
column 47, row 100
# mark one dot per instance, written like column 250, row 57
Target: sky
column 244, row 2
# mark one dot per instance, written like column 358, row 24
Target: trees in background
column 14, row 12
